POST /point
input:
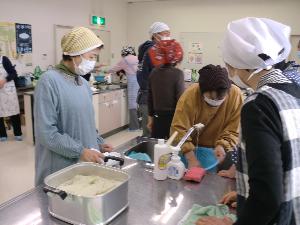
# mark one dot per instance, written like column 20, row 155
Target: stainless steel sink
column 145, row 146
column 113, row 86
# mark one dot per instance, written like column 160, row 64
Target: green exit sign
column 96, row 20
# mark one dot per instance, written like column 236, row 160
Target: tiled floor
column 17, row 164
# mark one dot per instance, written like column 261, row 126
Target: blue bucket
column 100, row 78
column 206, row 157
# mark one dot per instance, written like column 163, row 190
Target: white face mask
column 237, row 81
column 213, row 103
column 84, row 67
column 162, row 38
column 165, row 38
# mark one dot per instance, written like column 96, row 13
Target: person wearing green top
column 65, row 130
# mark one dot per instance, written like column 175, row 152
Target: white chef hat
column 255, row 43
column 158, row 27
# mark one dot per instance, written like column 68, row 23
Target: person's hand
column 214, row 221
column 220, row 153
column 191, row 159
column 2, row 82
column 229, row 199
column 150, row 123
column 228, row 173
column 106, row 148
column 89, row 155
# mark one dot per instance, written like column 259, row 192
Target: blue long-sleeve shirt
column 64, row 122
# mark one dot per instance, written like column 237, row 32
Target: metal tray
column 98, row 210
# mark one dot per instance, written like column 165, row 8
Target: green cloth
column 198, row 211
column 65, row 69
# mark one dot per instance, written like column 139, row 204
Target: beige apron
column 9, row 104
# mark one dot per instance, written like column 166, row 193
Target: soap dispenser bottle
column 161, row 158
column 175, row 167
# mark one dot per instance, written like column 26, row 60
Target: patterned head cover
column 158, row 27
column 127, row 50
column 80, row 40
column 166, row 52
column 213, row 78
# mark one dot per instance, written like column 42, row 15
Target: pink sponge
column 194, row 174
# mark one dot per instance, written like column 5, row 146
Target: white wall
column 206, row 15
column 43, row 14
column 130, row 22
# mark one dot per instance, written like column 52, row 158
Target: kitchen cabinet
column 124, row 108
column 110, row 111
column 104, row 117
column 115, row 109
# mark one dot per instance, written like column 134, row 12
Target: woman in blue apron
column 129, row 63
column 9, row 104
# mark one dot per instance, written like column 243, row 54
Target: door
column 104, row 117
column 115, row 113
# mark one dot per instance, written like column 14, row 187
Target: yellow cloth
column 79, row 40
column 221, row 123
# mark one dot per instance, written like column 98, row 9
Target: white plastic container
column 175, row 167
column 92, row 79
column 161, row 158
column 108, row 78
column 187, row 74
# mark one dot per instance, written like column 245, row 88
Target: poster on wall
column 8, row 39
column 24, row 45
column 195, row 53
column 195, row 58
column 195, row 47
column 23, row 38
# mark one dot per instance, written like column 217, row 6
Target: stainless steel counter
column 151, row 202
column 31, row 93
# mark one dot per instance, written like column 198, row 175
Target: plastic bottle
column 108, row 78
column 37, row 72
column 161, row 158
column 175, row 167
